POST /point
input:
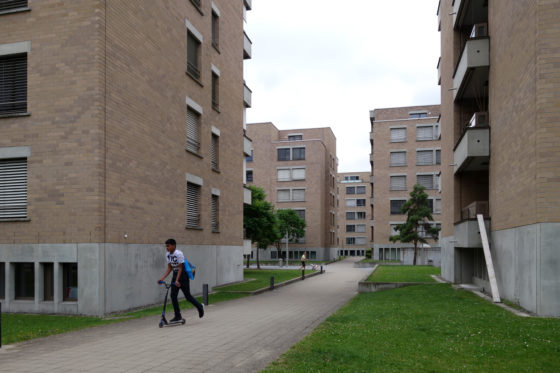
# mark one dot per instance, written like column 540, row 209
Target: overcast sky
column 326, row 63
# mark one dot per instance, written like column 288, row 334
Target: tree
column 418, row 220
column 259, row 221
column 290, row 224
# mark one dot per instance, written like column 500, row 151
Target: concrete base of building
column 526, row 261
column 313, row 253
column 111, row 277
column 405, row 253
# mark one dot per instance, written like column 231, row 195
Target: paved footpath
column 242, row 335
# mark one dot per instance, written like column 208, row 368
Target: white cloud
column 323, row 63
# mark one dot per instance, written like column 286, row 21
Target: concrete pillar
column 57, row 270
column 38, row 281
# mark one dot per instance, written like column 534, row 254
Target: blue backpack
column 190, row 269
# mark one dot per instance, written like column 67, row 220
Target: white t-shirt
column 176, row 259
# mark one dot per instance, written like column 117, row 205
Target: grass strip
column 256, row 279
column 425, row 328
column 404, row 274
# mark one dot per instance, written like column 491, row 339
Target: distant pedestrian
column 303, row 259
column 177, row 263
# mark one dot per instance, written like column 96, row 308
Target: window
column 249, row 176
column 438, row 156
column 398, row 182
column 13, row 84
column 355, row 240
column 215, row 27
column 435, row 205
column 215, row 213
column 249, row 158
column 301, row 213
column 393, row 230
column 427, row 132
column 428, row 181
column 24, row 277
column 196, row 3
column 351, row 215
column 350, row 228
column 290, row 174
column 283, row 154
column 350, row 190
column 360, row 202
column 398, row 158
column 398, row 134
column 298, row 173
column 193, row 125
column 417, row 114
column 287, row 195
column 215, row 91
column 422, row 230
column 70, row 282
column 193, row 197
column 48, row 281
column 298, row 194
column 215, row 152
column 7, row 5
column 13, row 184
column 428, row 157
column 360, row 190
column 396, row 206
column 352, row 178
column 298, row 154
column 283, row 195
column 360, row 215
column 295, row 137
column 193, row 55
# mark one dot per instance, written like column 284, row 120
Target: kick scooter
column 164, row 321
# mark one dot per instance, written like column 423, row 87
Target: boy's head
column 170, row 245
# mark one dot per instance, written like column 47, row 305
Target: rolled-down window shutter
column 398, row 134
column 298, row 195
column 424, row 157
column 425, row 133
column 427, row 181
column 283, row 195
column 360, row 228
column 13, row 84
column 283, row 174
column 398, row 182
column 215, row 210
column 398, row 158
column 193, row 143
column 360, row 240
column 193, row 218
column 13, row 188
column 298, row 174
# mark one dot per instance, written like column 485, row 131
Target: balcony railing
column 247, row 95
column 472, row 69
column 247, row 145
column 475, row 208
column 468, row 12
column 439, row 71
column 247, row 45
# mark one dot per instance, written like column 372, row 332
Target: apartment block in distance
column 297, row 170
column 355, row 213
column 405, row 150
column 122, row 126
column 500, row 131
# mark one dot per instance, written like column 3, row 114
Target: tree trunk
column 248, row 260
column 415, row 248
column 258, row 264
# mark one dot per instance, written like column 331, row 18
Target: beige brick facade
column 107, row 102
column 355, row 213
column 315, row 187
column 405, row 148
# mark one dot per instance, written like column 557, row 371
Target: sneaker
column 176, row 319
column 201, row 313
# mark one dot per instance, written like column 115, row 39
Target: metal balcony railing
column 473, row 209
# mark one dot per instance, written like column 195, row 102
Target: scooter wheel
column 161, row 324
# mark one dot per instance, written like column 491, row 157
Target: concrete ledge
column 288, row 282
column 371, row 287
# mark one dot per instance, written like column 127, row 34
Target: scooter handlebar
column 163, row 282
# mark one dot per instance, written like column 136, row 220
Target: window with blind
column 360, row 228
column 298, row 154
column 398, row 159
column 360, row 215
column 215, row 91
column 359, row 240
column 425, row 133
column 417, row 115
column 249, row 176
column 397, row 182
column 424, row 157
column 398, row 135
column 350, row 240
column 13, row 188
column 351, row 215
column 7, row 5
column 298, row 173
column 284, row 174
column 350, row 190
column 350, row 202
column 396, row 206
column 193, row 200
column 438, row 156
column 360, row 190
column 298, row 194
column 215, row 152
column 215, row 30
column 283, row 195
column 360, row 202
column 427, row 181
column 295, row 137
column 215, row 213
column 13, row 84
column 193, row 55
column 283, row 154
column 350, row 228
column 301, row 213
column 193, row 124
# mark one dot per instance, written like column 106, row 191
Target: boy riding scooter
column 176, row 263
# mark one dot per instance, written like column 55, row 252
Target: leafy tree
column 419, row 217
column 290, row 223
column 259, row 221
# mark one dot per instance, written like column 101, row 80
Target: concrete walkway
column 242, row 335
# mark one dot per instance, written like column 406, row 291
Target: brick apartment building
column 355, row 213
column 122, row 126
column 405, row 150
column 500, row 131
column 297, row 170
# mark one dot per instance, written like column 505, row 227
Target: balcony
column 472, row 152
column 439, row 15
column 371, row 138
column 371, row 158
column 247, row 145
column 247, row 95
column 371, row 179
column 469, row 12
column 471, row 73
column 248, row 4
column 466, row 232
column 247, row 196
column 439, row 71
column 247, row 45
column 371, row 202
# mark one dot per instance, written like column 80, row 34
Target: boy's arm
column 177, row 283
column 166, row 273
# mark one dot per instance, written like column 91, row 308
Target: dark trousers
column 185, row 287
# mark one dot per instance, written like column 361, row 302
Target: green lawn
column 404, row 274
column 260, row 278
column 379, row 261
column 425, row 328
